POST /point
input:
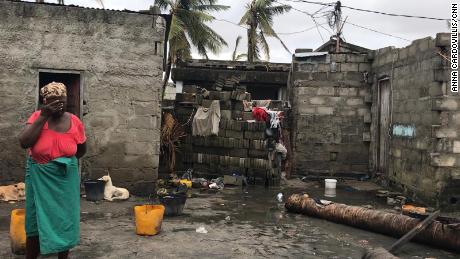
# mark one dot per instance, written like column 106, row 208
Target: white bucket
column 330, row 183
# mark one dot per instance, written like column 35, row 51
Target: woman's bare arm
column 31, row 132
column 81, row 150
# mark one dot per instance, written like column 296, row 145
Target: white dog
column 14, row 192
column 111, row 192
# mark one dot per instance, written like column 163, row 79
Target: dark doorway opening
column 72, row 83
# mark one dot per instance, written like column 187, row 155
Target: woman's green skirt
column 53, row 204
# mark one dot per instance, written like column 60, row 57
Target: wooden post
column 409, row 235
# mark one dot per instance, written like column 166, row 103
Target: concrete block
column 445, row 160
column 364, row 67
column 445, row 104
column 441, row 75
column 226, row 114
column 325, row 110
column 349, row 67
column 442, row 40
column 355, row 101
column 326, row 91
column 317, row 100
column 456, row 147
column 440, row 132
column 366, row 136
column 367, row 118
column 338, row 58
column 356, row 58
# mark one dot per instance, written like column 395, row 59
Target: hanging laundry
column 275, row 118
column 262, row 103
column 206, row 120
column 260, row 114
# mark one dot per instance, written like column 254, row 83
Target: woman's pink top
column 51, row 144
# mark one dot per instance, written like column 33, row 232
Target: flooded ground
column 240, row 223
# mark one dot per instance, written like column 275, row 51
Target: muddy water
column 305, row 236
column 241, row 223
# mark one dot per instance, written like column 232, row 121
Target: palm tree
column 259, row 19
column 236, row 57
column 188, row 28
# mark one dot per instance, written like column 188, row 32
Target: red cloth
column 259, row 114
column 51, row 144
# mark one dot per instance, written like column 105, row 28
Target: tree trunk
column 250, row 47
column 436, row 234
column 167, row 74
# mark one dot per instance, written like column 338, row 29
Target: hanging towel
column 206, row 120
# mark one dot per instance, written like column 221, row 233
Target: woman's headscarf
column 53, row 89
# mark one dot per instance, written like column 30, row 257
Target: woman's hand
column 51, row 108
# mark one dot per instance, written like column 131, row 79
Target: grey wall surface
column 331, row 115
column 121, row 73
column 426, row 164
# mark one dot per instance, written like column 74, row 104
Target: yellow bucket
column 148, row 219
column 186, row 182
column 18, row 231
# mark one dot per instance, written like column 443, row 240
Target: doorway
column 72, row 83
column 384, row 125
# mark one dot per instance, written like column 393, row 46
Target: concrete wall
column 121, row 74
column 330, row 96
column 427, row 164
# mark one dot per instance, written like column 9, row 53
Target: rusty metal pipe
column 436, row 234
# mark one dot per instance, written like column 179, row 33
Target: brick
column 226, row 114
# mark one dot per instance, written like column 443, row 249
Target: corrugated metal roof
column 309, row 54
column 82, row 7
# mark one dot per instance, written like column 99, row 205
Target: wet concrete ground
column 258, row 227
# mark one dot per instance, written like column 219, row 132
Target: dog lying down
column 111, row 192
column 14, row 192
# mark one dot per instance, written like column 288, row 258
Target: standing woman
column 55, row 139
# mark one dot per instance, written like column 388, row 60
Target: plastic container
column 148, row 219
column 94, row 190
column 330, row 183
column 174, row 204
column 18, row 231
column 186, row 182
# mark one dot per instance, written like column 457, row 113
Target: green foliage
column 259, row 19
column 189, row 28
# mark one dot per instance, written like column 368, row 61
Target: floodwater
column 240, row 223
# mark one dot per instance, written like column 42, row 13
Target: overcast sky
column 408, row 28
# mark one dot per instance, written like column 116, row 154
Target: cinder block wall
column 331, row 110
column 120, row 74
column 427, row 164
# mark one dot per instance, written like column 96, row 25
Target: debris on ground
column 201, row 230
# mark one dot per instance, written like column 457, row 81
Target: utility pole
column 338, row 21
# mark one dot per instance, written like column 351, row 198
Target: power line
column 369, row 11
column 296, row 32
column 387, row 34
column 280, row 33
